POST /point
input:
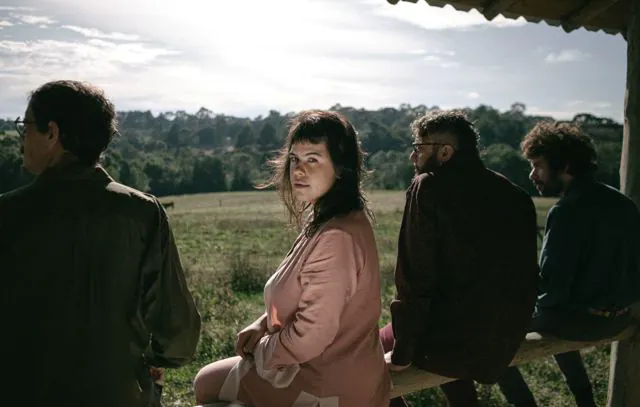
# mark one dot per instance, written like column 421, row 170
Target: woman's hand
column 249, row 337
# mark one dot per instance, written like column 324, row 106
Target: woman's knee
column 202, row 386
column 210, row 379
column 207, row 384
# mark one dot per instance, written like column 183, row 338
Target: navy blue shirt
column 590, row 254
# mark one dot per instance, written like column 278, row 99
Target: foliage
column 177, row 153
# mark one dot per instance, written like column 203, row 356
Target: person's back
column 467, row 268
column 486, row 255
column 604, row 227
column 92, row 277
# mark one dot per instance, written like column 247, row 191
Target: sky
column 247, row 57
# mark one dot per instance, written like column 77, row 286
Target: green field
column 231, row 242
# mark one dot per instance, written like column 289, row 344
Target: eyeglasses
column 416, row 145
column 20, row 125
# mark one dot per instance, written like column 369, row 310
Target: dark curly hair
column 346, row 194
column 562, row 145
column 453, row 122
column 84, row 115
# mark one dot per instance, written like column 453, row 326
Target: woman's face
column 311, row 171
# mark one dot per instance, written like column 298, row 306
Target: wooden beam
column 629, row 162
column 624, row 374
column 495, row 7
column 534, row 347
column 586, row 13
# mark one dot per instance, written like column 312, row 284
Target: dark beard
column 430, row 165
column 551, row 188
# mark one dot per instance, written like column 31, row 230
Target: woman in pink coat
column 317, row 343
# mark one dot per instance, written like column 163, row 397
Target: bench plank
column 535, row 346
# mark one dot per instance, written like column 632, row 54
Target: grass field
column 231, row 242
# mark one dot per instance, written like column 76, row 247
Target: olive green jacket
column 91, row 279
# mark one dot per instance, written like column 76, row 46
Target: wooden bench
column 535, row 346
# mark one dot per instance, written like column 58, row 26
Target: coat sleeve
column 328, row 279
column 559, row 257
column 166, row 306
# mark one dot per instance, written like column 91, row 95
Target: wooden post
column 624, row 373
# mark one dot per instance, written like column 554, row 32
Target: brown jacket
column 90, row 272
column 466, row 272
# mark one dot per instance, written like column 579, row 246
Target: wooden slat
column 534, row 347
column 495, row 7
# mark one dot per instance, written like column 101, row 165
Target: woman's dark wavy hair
column 346, row 194
column 562, row 145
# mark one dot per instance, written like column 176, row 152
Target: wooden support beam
column 629, row 162
column 586, row 13
column 534, row 347
column 624, row 374
column 495, row 7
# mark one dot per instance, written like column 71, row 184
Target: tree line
column 175, row 153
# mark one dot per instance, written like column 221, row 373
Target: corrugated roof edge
column 514, row 16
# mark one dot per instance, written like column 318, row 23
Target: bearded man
column 466, row 273
column 589, row 262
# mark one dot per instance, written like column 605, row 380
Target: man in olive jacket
column 92, row 283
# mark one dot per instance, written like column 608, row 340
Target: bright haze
column 248, row 57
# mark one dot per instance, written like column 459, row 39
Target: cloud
column 473, row 95
column 298, row 54
column 5, row 23
column 94, row 33
column 440, row 18
column 438, row 61
column 33, row 19
column 555, row 114
column 15, row 8
column 591, row 106
column 567, row 110
column 436, row 57
column 96, row 60
column 434, row 51
column 567, row 55
column 326, row 54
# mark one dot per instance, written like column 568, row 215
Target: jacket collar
column 73, row 170
column 460, row 164
column 580, row 184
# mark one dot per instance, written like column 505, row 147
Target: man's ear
column 54, row 131
column 445, row 153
